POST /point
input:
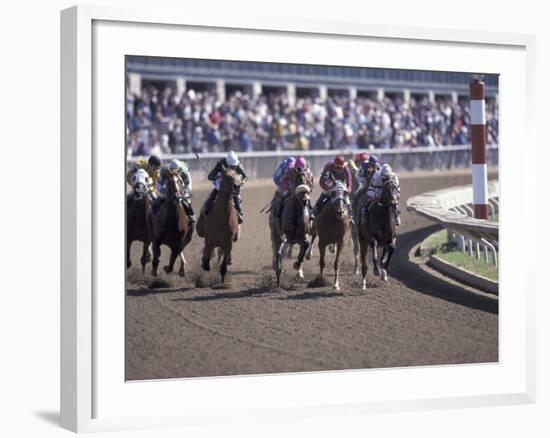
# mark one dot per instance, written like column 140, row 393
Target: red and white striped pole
column 479, row 149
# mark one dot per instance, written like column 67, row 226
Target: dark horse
column 332, row 227
column 171, row 226
column 137, row 222
column 379, row 232
column 220, row 229
column 293, row 227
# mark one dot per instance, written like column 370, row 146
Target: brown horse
column 379, row 231
column 171, row 226
column 137, row 222
column 293, row 227
column 332, row 225
column 220, row 229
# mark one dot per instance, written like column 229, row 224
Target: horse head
column 337, row 196
column 301, row 193
column 174, row 189
column 390, row 192
column 231, row 182
column 139, row 184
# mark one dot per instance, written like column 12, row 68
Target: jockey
column 355, row 164
column 366, row 172
column 288, row 181
column 281, row 171
column 180, row 168
column 334, row 171
column 151, row 166
column 374, row 192
column 231, row 161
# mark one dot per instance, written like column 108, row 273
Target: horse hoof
column 308, row 256
column 154, row 273
column 296, row 265
column 128, row 265
column 384, row 275
column 336, row 287
column 376, row 271
column 206, row 266
column 167, row 269
column 182, row 273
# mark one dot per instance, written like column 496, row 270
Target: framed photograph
column 267, row 218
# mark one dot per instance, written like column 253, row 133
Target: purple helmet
column 300, row 163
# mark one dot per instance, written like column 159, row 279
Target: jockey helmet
column 339, row 161
column 386, row 171
column 154, row 161
column 373, row 160
column 301, row 163
column 361, row 157
column 174, row 165
column 232, row 159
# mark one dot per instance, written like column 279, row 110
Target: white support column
column 256, row 89
column 406, row 95
column 454, row 97
column 134, row 83
column 431, row 96
column 380, row 93
column 291, row 93
column 323, row 92
column 180, row 86
column 220, row 89
column 352, row 93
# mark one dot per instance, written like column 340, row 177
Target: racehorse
column 293, row 227
column 379, row 231
column 137, row 221
column 171, row 226
column 220, row 229
column 332, row 227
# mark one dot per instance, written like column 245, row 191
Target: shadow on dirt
column 247, row 293
column 312, row 296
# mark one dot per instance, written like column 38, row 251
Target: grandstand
column 187, row 105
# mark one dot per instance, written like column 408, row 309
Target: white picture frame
column 83, row 370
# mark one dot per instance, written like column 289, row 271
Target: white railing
column 452, row 208
column 262, row 164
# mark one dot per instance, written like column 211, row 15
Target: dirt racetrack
column 193, row 326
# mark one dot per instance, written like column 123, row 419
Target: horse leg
column 339, row 247
column 226, row 256
column 206, row 254
column 304, row 246
column 374, row 246
column 364, row 267
column 156, row 256
column 355, row 241
column 322, row 249
column 144, row 256
column 310, row 249
column 183, row 262
column 128, row 261
column 173, row 256
column 386, row 263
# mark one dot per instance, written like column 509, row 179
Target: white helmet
column 232, row 159
column 386, row 171
column 140, row 176
column 174, row 165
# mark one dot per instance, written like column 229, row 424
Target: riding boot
column 319, row 204
column 209, row 201
column 155, row 204
column 237, row 204
column 350, row 212
column 279, row 211
column 190, row 212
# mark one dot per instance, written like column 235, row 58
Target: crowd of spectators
column 162, row 121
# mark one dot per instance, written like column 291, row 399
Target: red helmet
column 340, row 161
column 360, row 157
